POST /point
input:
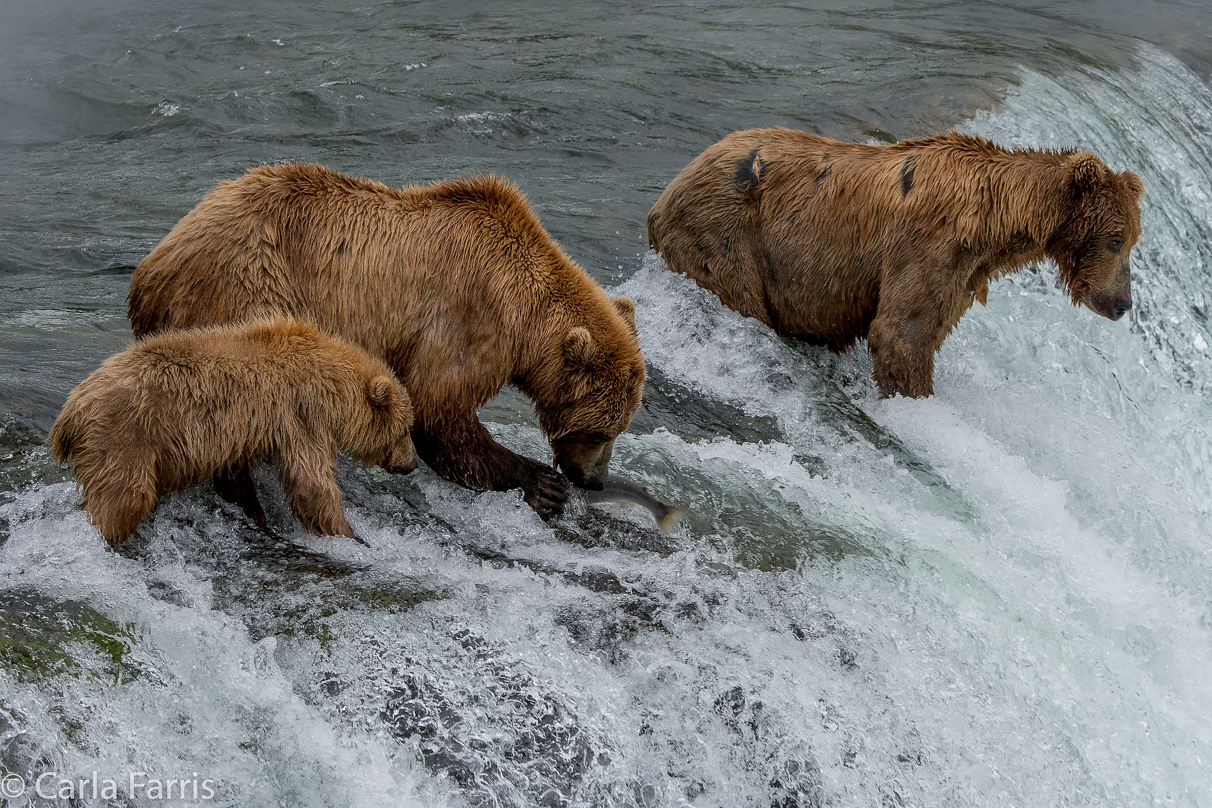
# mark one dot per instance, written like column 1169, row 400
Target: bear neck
column 538, row 373
column 1028, row 198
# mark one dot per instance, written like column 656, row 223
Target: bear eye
column 1115, row 244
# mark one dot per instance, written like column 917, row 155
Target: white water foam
column 194, row 695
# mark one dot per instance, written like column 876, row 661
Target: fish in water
column 621, row 491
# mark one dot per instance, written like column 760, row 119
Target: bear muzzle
column 1113, row 299
column 400, row 458
column 1112, row 305
column 586, row 464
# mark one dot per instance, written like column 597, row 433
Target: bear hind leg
column 235, row 485
column 117, row 513
column 900, row 365
column 119, row 485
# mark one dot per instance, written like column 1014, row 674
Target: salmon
column 627, row 493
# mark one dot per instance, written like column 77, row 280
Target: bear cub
column 184, row 406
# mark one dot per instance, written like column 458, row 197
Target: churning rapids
column 1000, row 596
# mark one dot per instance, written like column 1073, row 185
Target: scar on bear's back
column 824, row 175
column 748, row 177
column 907, row 167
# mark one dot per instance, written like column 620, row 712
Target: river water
column 1001, row 596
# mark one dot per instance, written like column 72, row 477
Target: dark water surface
column 999, row 596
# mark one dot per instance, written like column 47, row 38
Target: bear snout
column 594, row 484
column 585, row 463
column 400, row 458
column 1112, row 305
column 589, row 477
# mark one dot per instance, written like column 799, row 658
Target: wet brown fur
column 833, row 242
column 455, row 285
column 178, row 408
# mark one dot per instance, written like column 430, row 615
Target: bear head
column 1098, row 232
column 601, row 383
column 382, row 437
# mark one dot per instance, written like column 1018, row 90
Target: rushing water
column 1000, row 596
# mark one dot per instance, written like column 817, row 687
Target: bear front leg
column 919, row 302
column 903, row 362
column 918, row 307
column 921, row 297
column 462, row 451
column 236, row 486
column 308, row 473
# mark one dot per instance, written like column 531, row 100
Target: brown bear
column 180, row 407
column 832, row 242
column 455, row 285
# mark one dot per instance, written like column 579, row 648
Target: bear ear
column 1087, row 171
column 381, row 392
column 626, row 308
column 579, row 348
column 1134, row 183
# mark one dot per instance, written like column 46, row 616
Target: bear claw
column 549, row 492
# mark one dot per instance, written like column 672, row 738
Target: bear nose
column 1122, row 304
column 594, row 484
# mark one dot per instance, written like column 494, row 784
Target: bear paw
column 548, row 492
